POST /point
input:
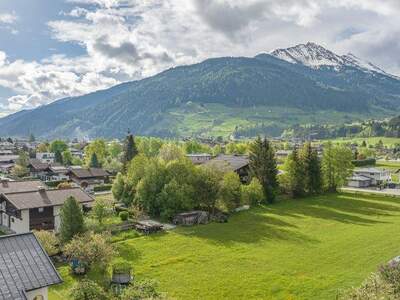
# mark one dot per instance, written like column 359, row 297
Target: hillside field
column 295, row 249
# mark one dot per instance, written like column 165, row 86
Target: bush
column 64, row 185
column 145, row 289
column 124, row 215
column 121, row 267
column 102, row 188
column 364, row 162
column 91, row 249
column 252, row 194
column 49, row 241
column 54, row 184
column 88, row 290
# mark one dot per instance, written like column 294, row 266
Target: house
column 47, row 172
column 7, row 162
column 236, row 163
column 359, row 181
column 26, row 270
column 377, row 176
column 25, row 206
column 365, row 177
column 88, row 178
column 199, row 158
column 45, row 157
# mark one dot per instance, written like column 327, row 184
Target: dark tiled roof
column 234, row 162
column 24, row 266
column 89, row 173
column 38, row 165
column 45, row 198
column 19, row 186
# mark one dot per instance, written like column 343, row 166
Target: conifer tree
column 94, row 162
column 263, row 167
column 72, row 222
column 294, row 175
column 312, row 169
column 58, row 157
column 130, row 150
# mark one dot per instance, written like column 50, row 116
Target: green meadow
column 295, row 249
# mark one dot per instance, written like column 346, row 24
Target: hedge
column 364, row 162
column 102, row 188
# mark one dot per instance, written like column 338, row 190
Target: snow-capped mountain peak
column 315, row 56
column 310, row 54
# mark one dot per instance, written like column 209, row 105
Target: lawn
column 294, row 249
column 387, row 141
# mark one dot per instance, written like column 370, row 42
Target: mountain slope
column 306, row 81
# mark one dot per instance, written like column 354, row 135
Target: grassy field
column 387, row 141
column 294, row 249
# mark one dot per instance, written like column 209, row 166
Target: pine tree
column 58, row 157
column 130, row 150
column 263, row 167
column 72, row 222
column 94, row 162
column 312, row 169
column 295, row 179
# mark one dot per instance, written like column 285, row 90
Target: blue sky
column 50, row 49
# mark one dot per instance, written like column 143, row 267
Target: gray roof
column 44, row 198
column 234, row 162
column 359, row 178
column 89, row 173
column 19, row 186
column 7, row 158
column 24, row 266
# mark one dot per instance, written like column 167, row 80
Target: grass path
column 294, row 249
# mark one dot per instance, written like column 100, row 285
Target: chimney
column 41, row 189
column 4, row 183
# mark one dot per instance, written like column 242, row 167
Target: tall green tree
column 97, row 146
column 263, row 166
column 67, row 158
column 336, row 166
column 294, row 176
column 130, row 150
column 71, row 217
column 58, row 157
column 94, row 162
column 312, row 169
column 58, row 145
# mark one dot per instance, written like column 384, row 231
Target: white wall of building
column 18, row 225
column 57, row 220
column 37, row 293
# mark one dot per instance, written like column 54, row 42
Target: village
column 56, row 197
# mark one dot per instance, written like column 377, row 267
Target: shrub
column 102, row 188
column 145, row 289
column 64, row 185
column 101, row 209
column 252, row 194
column 49, row 241
column 124, row 215
column 88, row 290
column 90, row 248
column 121, row 267
column 391, row 274
column 364, row 162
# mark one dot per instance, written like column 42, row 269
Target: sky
column 51, row 49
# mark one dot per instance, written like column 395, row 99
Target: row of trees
column 305, row 174
column 169, row 183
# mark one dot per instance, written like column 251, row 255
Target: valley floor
column 295, row 249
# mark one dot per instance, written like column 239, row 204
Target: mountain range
column 264, row 94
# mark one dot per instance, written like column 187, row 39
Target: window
column 40, row 209
column 12, row 219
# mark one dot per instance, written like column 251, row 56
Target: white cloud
column 132, row 39
column 7, row 18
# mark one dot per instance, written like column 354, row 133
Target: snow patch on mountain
column 315, row 56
